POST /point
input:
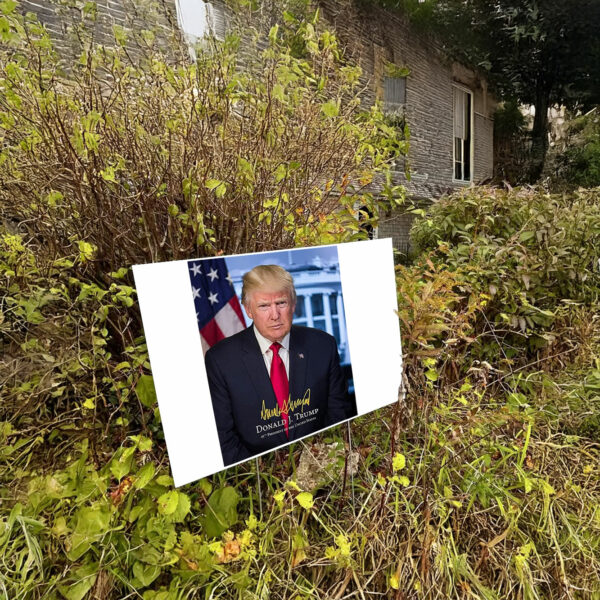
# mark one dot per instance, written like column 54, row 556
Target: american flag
column 218, row 309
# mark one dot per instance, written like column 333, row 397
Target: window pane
column 336, row 330
column 457, row 170
column 299, row 312
column 333, row 303
column 467, row 160
column 320, row 324
column 316, row 301
column 458, row 154
column 458, row 147
column 394, row 92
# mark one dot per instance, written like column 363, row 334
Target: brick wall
column 396, row 225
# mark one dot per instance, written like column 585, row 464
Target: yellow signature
column 289, row 406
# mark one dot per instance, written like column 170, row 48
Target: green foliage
column 524, row 253
column 221, row 511
column 508, row 120
column 580, row 162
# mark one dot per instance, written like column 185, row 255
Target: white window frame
column 211, row 14
column 471, row 132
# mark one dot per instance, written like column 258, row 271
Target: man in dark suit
column 274, row 382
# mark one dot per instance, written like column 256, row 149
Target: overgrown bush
column 580, row 162
column 156, row 157
column 525, row 253
column 128, row 158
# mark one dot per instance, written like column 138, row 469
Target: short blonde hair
column 269, row 278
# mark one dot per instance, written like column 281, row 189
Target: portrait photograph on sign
column 252, row 352
column 273, row 332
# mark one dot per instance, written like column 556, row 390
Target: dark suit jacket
column 244, row 402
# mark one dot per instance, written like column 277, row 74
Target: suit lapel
column 298, row 364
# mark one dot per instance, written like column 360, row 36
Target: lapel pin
column 300, row 355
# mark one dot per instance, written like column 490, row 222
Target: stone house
column 447, row 107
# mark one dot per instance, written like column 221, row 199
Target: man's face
column 272, row 313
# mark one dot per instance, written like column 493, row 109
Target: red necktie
column 279, row 381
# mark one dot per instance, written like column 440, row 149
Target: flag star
column 196, row 269
column 213, row 274
column 196, row 292
column 229, row 278
column 213, row 298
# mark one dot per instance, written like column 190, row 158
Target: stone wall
column 62, row 18
column 374, row 37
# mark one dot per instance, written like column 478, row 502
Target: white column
column 341, row 320
column 308, row 310
column 328, row 323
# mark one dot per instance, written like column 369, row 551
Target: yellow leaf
column 398, row 462
column 305, row 500
column 299, row 556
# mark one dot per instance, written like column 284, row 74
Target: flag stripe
column 235, row 303
column 228, row 320
column 205, row 344
column 211, row 333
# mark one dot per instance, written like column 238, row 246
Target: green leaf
column 330, row 109
column 164, row 480
column 85, row 579
column 221, row 511
column 280, row 173
column 121, row 463
column 182, row 509
column 526, row 235
column 91, row 524
column 167, row 503
column 205, row 486
column 92, row 520
column 108, row 174
column 398, row 462
column 7, row 6
column 86, row 251
column 144, row 476
column 145, row 574
column 273, row 34
column 217, row 186
column 431, row 374
column 145, row 391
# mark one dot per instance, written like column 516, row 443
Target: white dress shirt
column 284, row 351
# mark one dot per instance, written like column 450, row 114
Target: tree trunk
column 539, row 136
